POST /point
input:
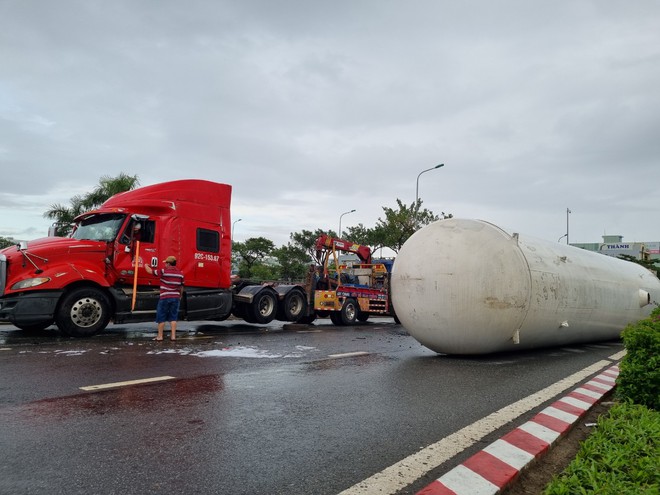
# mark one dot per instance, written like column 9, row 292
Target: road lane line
column 6, row 349
column 618, row 356
column 348, row 354
column 103, row 386
column 403, row 473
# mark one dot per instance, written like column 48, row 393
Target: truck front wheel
column 83, row 312
column 349, row 311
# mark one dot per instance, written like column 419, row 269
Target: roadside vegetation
column 622, row 456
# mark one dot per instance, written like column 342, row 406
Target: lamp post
column 417, row 189
column 417, row 186
column 232, row 228
column 568, row 212
column 345, row 213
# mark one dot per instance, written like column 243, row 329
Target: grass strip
column 621, row 457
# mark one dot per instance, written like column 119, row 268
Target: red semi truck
column 97, row 275
column 83, row 281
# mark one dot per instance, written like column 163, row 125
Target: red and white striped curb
column 493, row 468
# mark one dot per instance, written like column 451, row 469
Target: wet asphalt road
column 277, row 409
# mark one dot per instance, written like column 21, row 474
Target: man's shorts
column 167, row 309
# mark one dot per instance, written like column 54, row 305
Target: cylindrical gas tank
column 470, row 287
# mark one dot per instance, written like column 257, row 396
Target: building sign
column 652, row 247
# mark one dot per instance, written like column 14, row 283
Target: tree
column 400, row 224
column 6, row 242
column 306, row 241
column 293, row 262
column 107, row 187
column 252, row 252
column 360, row 234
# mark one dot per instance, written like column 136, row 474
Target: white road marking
column 398, row 476
column 618, row 356
column 127, row 383
column 580, row 404
column 553, row 412
column 6, row 349
column 464, row 480
column 348, row 354
column 540, row 431
column 589, row 393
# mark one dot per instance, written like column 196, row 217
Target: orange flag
column 135, row 273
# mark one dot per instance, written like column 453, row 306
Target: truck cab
column 83, row 281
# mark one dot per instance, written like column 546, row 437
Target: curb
column 495, row 467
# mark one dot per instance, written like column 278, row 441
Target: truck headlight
column 30, row 282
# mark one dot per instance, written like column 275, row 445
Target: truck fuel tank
column 470, row 287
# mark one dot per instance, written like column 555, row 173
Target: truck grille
column 3, row 274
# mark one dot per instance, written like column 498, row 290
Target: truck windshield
column 99, row 227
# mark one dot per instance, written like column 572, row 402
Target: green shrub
column 639, row 370
column 621, row 457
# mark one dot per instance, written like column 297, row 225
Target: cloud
column 310, row 110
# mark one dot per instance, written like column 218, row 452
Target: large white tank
column 469, row 287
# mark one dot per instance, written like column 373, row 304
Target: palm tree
column 108, row 186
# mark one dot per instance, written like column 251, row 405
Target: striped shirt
column 171, row 282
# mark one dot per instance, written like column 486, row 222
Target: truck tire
column 349, row 311
column 36, row 327
column 307, row 320
column 263, row 307
column 239, row 310
column 293, row 307
column 83, row 312
column 335, row 317
column 362, row 316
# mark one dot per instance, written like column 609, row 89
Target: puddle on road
column 240, row 352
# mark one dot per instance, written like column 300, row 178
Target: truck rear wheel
column 293, row 307
column 263, row 307
column 307, row 320
column 83, row 312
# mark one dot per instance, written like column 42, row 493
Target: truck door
column 144, row 231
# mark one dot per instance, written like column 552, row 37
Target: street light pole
column 417, row 186
column 345, row 213
column 232, row 228
column 567, row 213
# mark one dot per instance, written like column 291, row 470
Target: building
column 613, row 245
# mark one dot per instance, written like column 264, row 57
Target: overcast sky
column 310, row 109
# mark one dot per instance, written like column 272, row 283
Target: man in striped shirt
column 171, row 288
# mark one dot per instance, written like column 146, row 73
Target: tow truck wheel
column 349, row 311
column 263, row 307
column 362, row 316
column 293, row 307
column 335, row 317
column 84, row 312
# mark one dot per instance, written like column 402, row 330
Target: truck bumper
column 30, row 308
